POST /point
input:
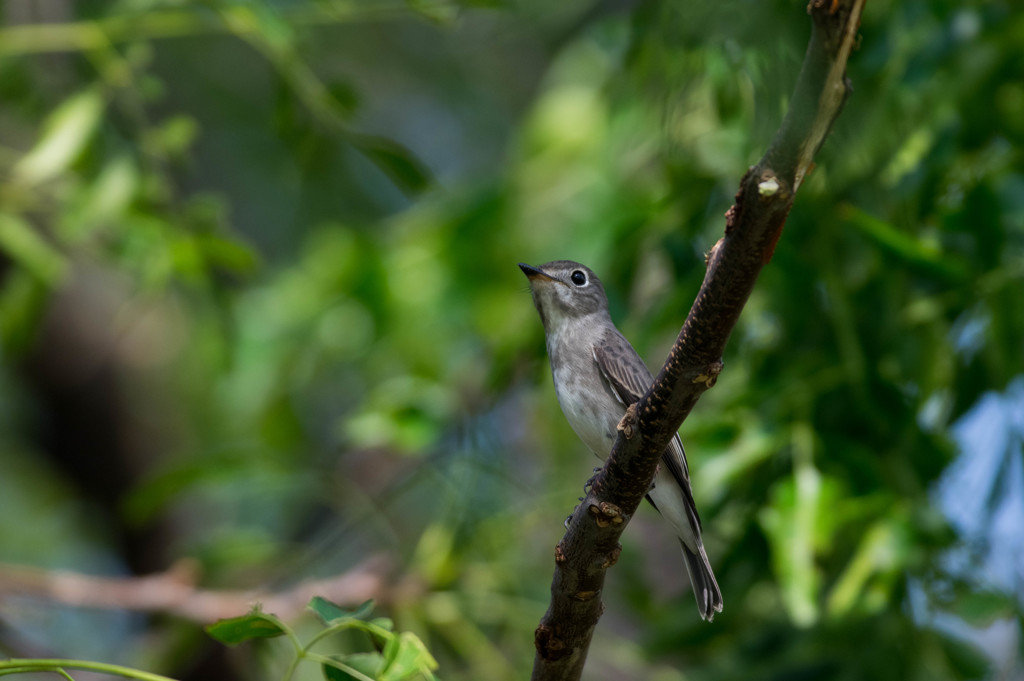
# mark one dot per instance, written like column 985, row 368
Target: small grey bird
column 597, row 376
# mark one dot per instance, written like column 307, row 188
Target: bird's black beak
column 532, row 272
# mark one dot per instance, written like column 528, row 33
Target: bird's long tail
column 705, row 588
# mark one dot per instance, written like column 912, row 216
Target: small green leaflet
column 239, row 629
column 331, row 613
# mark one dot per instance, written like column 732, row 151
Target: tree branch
column 176, row 592
column 753, row 226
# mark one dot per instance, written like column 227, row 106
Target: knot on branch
column 710, row 255
column 549, row 646
column 710, row 374
column 584, row 595
column 606, row 514
column 832, row 17
column 769, row 186
column 627, row 424
column 613, row 557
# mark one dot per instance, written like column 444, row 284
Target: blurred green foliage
column 259, row 306
column 397, row 656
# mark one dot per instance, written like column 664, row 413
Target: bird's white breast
column 585, row 397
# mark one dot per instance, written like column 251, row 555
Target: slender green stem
column 306, row 653
column 342, row 626
column 290, row 672
column 300, row 652
column 299, row 649
column 322, row 634
column 14, row 666
column 337, row 664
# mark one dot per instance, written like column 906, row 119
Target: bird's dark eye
column 578, row 278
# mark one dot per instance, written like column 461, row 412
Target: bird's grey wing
column 625, row 372
column 629, row 378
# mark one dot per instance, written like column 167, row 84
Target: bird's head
column 564, row 290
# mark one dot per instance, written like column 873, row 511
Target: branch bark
column 753, row 226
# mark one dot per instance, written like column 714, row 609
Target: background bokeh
column 259, row 308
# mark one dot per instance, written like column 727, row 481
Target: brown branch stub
column 710, row 374
column 832, row 17
column 606, row 513
column 753, row 227
column 628, row 421
column 613, row 557
column 711, row 253
column 548, row 645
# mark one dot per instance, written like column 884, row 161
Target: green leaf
column 383, row 623
column 22, row 301
column 443, row 14
column 173, row 136
column 368, row 664
column 330, row 613
column 408, row 172
column 232, row 256
column 404, row 656
column 918, row 252
column 790, row 523
column 238, row 629
column 982, row 608
column 966, row 659
column 65, row 133
column 374, row 627
column 24, row 245
column 883, row 549
column 106, row 199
